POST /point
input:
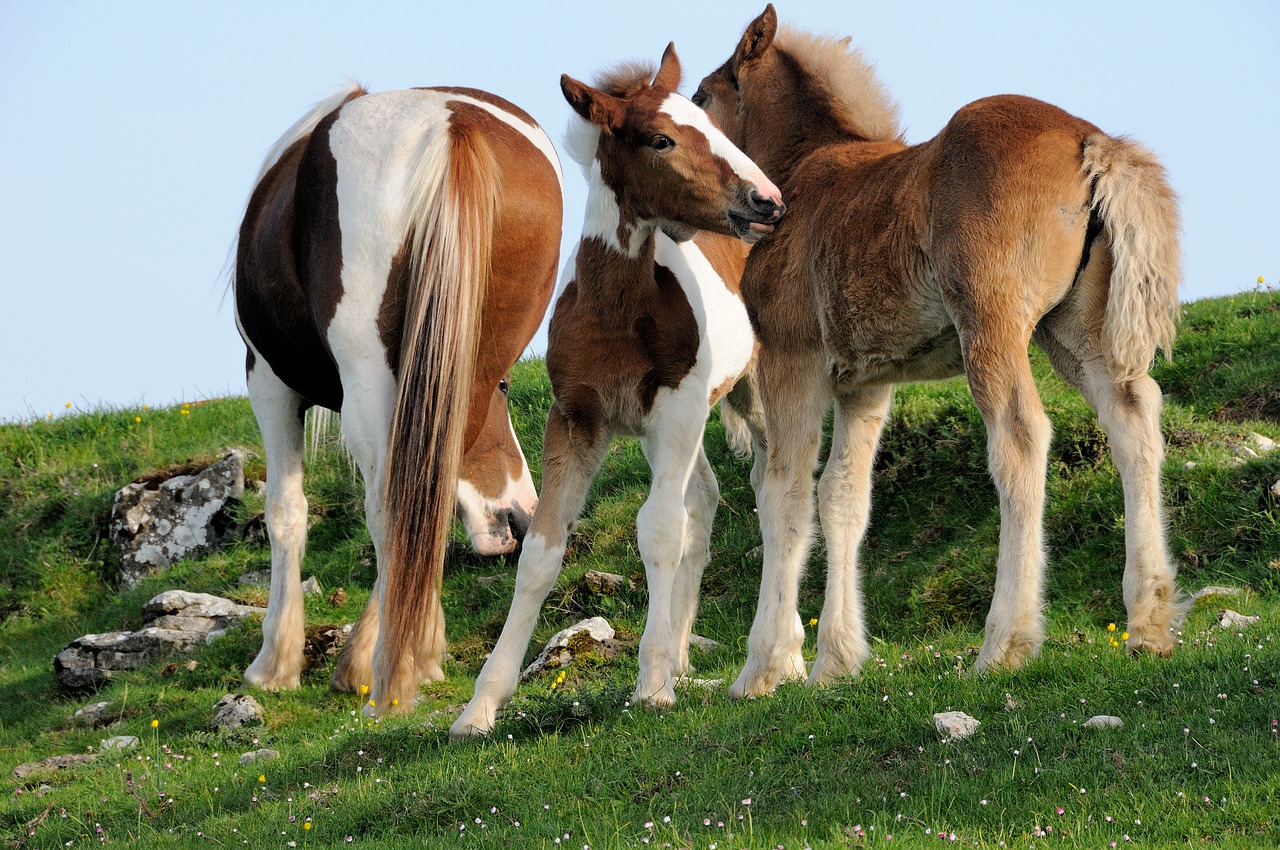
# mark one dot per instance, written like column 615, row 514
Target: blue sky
column 131, row 132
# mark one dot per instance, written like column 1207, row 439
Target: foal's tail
column 1139, row 214
column 452, row 200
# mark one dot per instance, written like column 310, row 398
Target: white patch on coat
column 682, row 111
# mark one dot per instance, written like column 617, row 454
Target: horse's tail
column 1138, row 211
column 452, row 198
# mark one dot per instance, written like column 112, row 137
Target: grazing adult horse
column 398, row 252
column 645, row 336
column 900, row 263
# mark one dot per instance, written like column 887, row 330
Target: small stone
column 52, row 763
column 1243, row 451
column 1011, row 704
column 338, row 597
column 192, row 665
column 311, row 587
column 706, row 644
column 1275, row 489
column 606, row 584
column 119, row 745
column 259, row 755
column 256, row 578
column 1191, row 464
column 1103, row 721
column 91, row 715
column 705, row 684
column 754, row 555
column 955, row 725
column 1260, row 443
column 1215, row 590
column 236, row 710
column 1236, row 620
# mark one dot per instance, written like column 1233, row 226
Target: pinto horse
column 646, row 335
column 398, row 252
column 899, row 262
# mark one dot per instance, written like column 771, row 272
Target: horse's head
column 720, row 91
column 663, row 161
column 496, row 497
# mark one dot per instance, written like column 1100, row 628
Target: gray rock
column 255, row 578
column 606, row 584
column 1240, row 450
column 1275, row 489
column 955, row 725
column 236, row 710
column 259, row 755
column 311, row 587
column 118, row 745
column 1103, row 721
column 91, row 715
column 1214, row 590
column 557, row 653
column 706, row 644
column 159, row 522
column 52, row 763
column 1260, row 443
column 1236, row 620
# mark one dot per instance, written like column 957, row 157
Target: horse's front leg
column 672, row 443
column 795, row 398
column 571, row 455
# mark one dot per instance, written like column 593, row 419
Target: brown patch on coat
column 489, row 98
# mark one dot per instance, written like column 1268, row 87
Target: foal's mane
column 869, row 109
column 581, row 137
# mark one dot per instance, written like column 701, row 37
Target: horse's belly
column 929, row 358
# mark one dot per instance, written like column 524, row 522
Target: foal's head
column 656, row 160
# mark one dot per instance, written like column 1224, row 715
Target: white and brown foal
column 397, row 253
column 646, row 336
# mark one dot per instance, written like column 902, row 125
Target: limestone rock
column 606, row 584
column 157, row 522
column 95, row 714
column 955, row 725
column 311, row 587
column 259, row 755
column 706, row 644
column 52, row 763
column 1214, row 590
column 560, row 650
column 236, row 710
column 1261, row 444
column 1275, row 489
column 1103, row 721
column 1236, row 620
column 118, row 745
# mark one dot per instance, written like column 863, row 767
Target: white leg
column 1018, row 436
column 570, row 459
column 279, row 411
column 844, row 506
column 672, row 446
column 795, row 399
column 702, row 497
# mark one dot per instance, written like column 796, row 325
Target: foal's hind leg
column 279, row 411
column 571, row 455
column 701, row 499
column 1018, row 435
column 844, row 506
column 1129, row 413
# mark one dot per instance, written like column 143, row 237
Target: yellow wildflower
column 1124, row 636
column 306, row 825
column 813, row 621
column 137, row 419
column 364, row 689
column 372, row 704
column 68, row 405
column 1111, row 627
column 262, row 778
column 155, row 723
column 394, row 703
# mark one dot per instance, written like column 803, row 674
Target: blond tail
column 1139, row 213
column 453, row 202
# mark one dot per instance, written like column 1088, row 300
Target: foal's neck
column 612, row 278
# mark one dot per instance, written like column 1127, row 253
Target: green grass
column 846, row 765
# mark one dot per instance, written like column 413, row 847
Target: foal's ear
column 756, row 38
column 602, row 109
column 668, row 76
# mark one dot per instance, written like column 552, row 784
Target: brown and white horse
column 398, row 252
column 902, row 263
column 646, row 335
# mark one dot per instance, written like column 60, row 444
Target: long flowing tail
column 453, row 199
column 1139, row 214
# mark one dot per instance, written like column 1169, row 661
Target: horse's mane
column 581, row 138
column 869, row 108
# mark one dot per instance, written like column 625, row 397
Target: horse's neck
column 611, row 278
column 782, row 131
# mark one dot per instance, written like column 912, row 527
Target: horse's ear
column 756, row 38
column 595, row 106
column 668, row 76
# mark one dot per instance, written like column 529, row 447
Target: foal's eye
column 661, row 143
column 502, row 387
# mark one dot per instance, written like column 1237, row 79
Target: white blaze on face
column 682, row 111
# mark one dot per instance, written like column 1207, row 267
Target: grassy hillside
column 573, row 765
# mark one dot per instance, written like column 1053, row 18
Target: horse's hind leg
column 702, row 497
column 844, row 506
column 1018, row 434
column 279, row 411
column 571, row 455
column 1129, row 413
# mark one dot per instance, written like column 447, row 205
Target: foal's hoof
column 271, row 680
column 471, row 724
column 657, row 698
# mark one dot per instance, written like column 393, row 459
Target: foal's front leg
column 671, row 444
column 795, row 400
column 571, row 456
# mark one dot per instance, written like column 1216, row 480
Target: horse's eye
column 661, row 143
column 502, row 387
